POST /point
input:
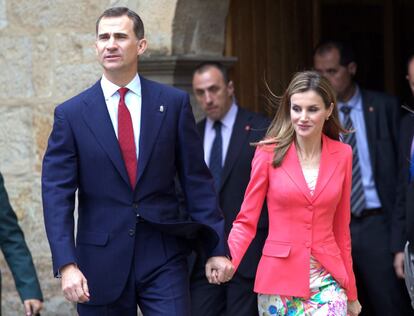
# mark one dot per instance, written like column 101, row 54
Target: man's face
column 410, row 75
column 117, row 47
column 340, row 77
column 212, row 93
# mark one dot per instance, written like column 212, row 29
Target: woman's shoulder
column 266, row 145
column 338, row 145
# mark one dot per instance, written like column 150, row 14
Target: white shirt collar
column 109, row 88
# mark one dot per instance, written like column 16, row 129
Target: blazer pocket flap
column 276, row 250
column 92, row 238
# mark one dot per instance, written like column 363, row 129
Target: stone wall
column 47, row 55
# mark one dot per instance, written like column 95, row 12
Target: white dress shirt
column 226, row 130
column 133, row 101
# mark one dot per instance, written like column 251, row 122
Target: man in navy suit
column 238, row 129
column 118, row 146
column 376, row 246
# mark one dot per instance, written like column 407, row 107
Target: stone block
column 15, row 67
column 3, row 14
column 42, row 67
column 55, row 15
column 16, row 141
column 73, row 79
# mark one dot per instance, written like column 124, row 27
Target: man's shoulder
column 371, row 95
column 162, row 87
column 257, row 119
column 77, row 100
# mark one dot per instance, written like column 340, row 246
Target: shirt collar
column 109, row 88
column 354, row 102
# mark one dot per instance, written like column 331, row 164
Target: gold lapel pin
column 161, row 108
column 371, row 109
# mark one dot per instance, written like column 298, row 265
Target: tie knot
column 346, row 109
column 217, row 126
column 122, row 91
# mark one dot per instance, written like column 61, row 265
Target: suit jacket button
column 135, row 205
column 131, row 232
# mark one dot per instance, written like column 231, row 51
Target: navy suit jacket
column 381, row 113
column 405, row 190
column 83, row 155
column 248, row 128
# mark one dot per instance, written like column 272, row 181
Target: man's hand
column 219, row 269
column 399, row 264
column 32, row 306
column 74, row 284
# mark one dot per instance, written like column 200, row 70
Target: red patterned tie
column 126, row 137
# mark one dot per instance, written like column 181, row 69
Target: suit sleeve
column 341, row 226
column 16, row 252
column 245, row 226
column 397, row 223
column 59, row 184
column 196, row 181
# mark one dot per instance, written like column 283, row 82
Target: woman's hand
column 354, row 308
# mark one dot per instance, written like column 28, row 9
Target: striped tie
column 357, row 193
column 216, row 156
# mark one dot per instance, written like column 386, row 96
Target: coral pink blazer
column 300, row 225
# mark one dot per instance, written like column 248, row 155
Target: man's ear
column 352, row 68
column 141, row 46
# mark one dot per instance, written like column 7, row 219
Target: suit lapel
column 153, row 113
column 238, row 140
column 327, row 166
column 291, row 166
column 96, row 116
column 370, row 117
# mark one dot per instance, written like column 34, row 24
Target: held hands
column 354, row 308
column 74, row 284
column 219, row 270
column 32, row 306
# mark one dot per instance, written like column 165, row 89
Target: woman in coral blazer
column 304, row 173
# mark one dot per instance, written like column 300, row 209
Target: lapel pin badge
column 371, row 109
column 161, row 108
column 247, row 128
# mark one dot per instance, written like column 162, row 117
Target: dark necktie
column 126, row 137
column 216, row 156
column 357, row 194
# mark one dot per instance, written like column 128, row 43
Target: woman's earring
column 327, row 118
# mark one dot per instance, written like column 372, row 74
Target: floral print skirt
column 327, row 298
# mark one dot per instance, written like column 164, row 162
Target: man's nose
column 111, row 43
column 207, row 97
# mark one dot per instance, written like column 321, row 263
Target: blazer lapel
column 152, row 114
column 327, row 166
column 238, row 139
column 201, row 127
column 370, row 114
column 291, row 166
column 96, row 116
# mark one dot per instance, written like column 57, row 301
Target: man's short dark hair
column 346, row 53
column 121, row 11
column 204, row 66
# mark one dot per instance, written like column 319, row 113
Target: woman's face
column 308, row 114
